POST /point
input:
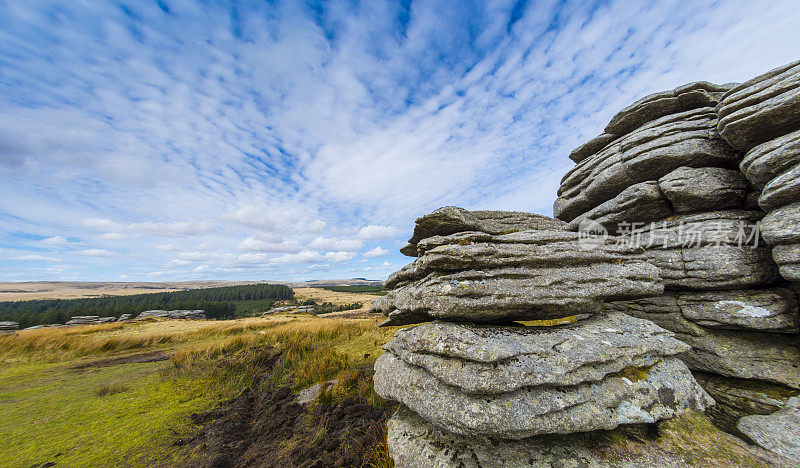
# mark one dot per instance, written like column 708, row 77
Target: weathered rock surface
column 778, row 432
column 713, row 250
column 768, row 160
column 684, row 190
column 780, row 226
column 761, row 109
column 88, row 320
column 749, row 355
column 692, row 190
column 590, row 147
column 493, row 360
column 639, row 203
column 782, row 190
column 450, row 219
column 665, row 390
column 788, row 258
column 414, row 443
column 526, row 275
column 172, row 314
column 768, row 310
column 648, row 153
column 9, row 326
column 290, row 310
column 124, row 318
column 737, row 398
column 683, row 98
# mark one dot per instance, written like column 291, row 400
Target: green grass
column 53, row 413
column 129, row 414
column 251, row 308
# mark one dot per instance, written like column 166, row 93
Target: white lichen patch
column 742, row 308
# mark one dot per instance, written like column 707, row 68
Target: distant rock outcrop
column 172, row 314
column 88, row 320
column 290, row 310
column 8, row 327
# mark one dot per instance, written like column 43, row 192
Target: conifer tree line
column 218, row 303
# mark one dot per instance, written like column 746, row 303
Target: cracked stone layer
column 451, row 219
column 684, row 190
column 683, row 98
column 772, row 310
column 702, row 251
column 667, row 390
column 761, row 109
column 527, row 275
column 648, row 153
column 778, row 432
column 768, row 160
column 495, row 360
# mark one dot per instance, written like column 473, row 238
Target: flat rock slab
column 782, row 190
column 761, row 109
column 493, row 359
column 778, row 432
column 748, row 355
column 768, row 160
column 787, row 257
column 767, row 310
column 683, row 98
column 450, row 219
column 527, row 275
column 664, row 390
column 713, row 250
column 780, row 226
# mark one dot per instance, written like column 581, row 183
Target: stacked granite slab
column 8, row 327
column 762, row 118
column 664, row 176
column 475, row 378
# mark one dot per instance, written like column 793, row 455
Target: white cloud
column 177, row 229
column 306, row 256
column 112, row 236
column 102, row 224
column 376, row 232
column 376, row 252
column 317, row 226
column 339, row 256
column 93, row 252
column 386, row 264
column 326, row 243
column 257, row 245
column 55, row 241
column 34, row 258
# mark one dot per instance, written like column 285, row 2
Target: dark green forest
column 218, row 303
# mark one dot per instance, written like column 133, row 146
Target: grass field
column 80, row 396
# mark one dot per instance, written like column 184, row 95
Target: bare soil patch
column 269, row 429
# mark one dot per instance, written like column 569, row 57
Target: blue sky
column 179, row 140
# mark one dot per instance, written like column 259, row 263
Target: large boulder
column 788, row 258
column 590, row 147
column 648, row 153
column 526, row 275
column 451, row 219
column 761, row 109
column 493, row 360
column 778, row 432
column 647, row 395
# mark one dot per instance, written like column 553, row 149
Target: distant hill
column 30, row 290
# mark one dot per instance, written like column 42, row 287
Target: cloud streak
column 289, row 140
